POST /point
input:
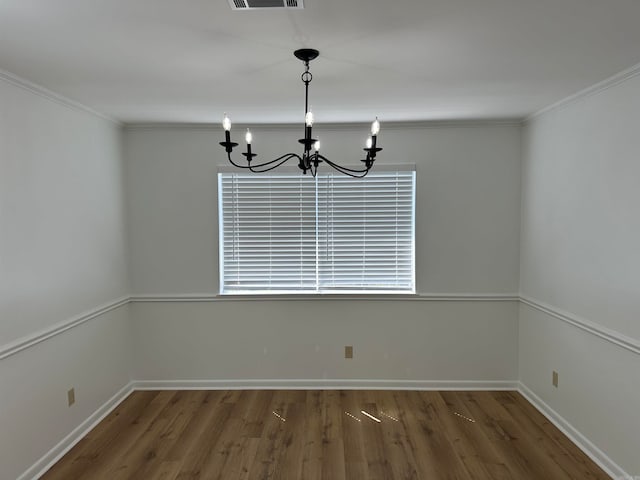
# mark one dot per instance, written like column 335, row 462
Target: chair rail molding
column 593, row 328
column 28, row 341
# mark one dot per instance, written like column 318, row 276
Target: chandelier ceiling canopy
column 309, row 160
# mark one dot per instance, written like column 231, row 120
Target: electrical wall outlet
column 71, row 396
column 348, row 351
column 554, row 379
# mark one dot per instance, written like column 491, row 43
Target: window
column 292, row 233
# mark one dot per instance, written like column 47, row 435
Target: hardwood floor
column 330, row 435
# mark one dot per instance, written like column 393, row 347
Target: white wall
column 394, row 341
column 580, row 256
column 467, row 237
column 61, row 212
column 62, row 253
column 468, row 202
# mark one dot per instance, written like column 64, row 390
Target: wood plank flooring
column 324, row 435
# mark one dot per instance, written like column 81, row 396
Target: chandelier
column 309, row 160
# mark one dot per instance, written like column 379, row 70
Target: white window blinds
column 291, row 233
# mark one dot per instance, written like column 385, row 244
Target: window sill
column 316, row 296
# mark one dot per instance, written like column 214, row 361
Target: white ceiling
column 191, row 60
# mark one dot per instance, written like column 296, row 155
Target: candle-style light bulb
column 308, row 118
column 226, row 123
column 316, row 145
column 248, row 137
column 369, row 142
column 375, row 127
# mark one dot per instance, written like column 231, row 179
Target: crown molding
column 595, row 89
column 331, row 126
column 393, row 125
column 40, row 91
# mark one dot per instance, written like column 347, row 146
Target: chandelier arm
column 270, row 162
column 235, row 164
column 260, row 165
column 348, row 172
column 288, row 156
column 353, row 170
column 340, row 167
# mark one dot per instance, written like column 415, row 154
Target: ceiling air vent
column 259, row 4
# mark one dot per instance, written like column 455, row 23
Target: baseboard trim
column 324, row 384
column 582, row 442
column 31, row 340
column 67, row 443
column 612, row 336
